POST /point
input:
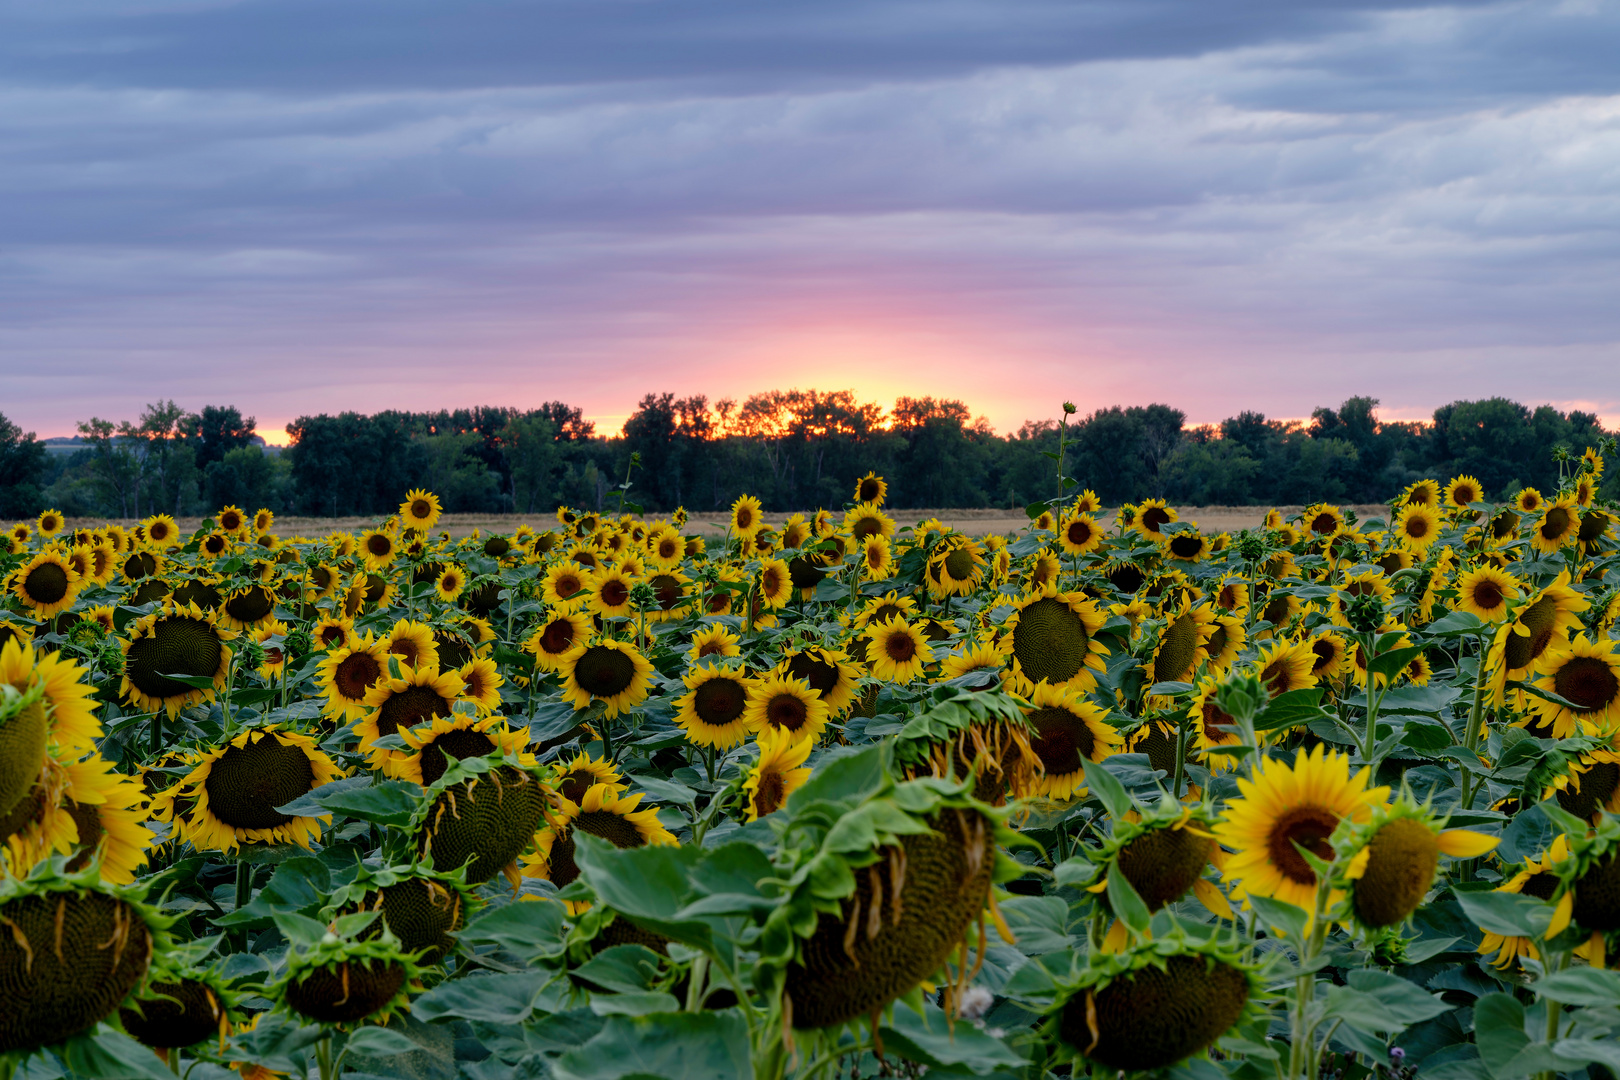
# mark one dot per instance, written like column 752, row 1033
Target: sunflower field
column 826, row 797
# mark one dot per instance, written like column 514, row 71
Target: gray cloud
column 302, row 207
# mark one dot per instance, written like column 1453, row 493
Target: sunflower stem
column 1369, row 649
column 695, row 983
column 244, row 892
column 157, row 733
column 1476, row 721
column 323, row 1058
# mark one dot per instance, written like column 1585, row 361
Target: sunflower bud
column 251, row 653
column 109, row 658
column 643, row 597
column 1242, row 696
column 1068, row 408
column 1251, row 546
column 297, row 644
column 1365, row 612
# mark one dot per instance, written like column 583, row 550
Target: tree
column 22, row 471
column 115, row 468
column 216, row 431
column 246, row 477
column 530, row 444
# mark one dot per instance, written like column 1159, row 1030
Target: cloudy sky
column 300, row 206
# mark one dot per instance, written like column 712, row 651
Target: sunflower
column 378, row 547
column 602, row 812
column 1527, row 501
column 779, row 772
column 1417, row 526
column 174, row 640
column 1286, row 665
column 665, row 548
column 235, row 790
column 609, row 591
column 450, row 584
column 1330, row 654
column 420, row 510
column 1586, row 673
column 47, row 584
column 481, row 683
column 333, row 632
column 1322, row 519
column 1068, row 731
column 775, row 584
column 275, row 655
column 1537, row 877
column 1186, row 547
column 413, row 643
column 562, row 582
column 395, row 703
column 745, row 516
column 66, row 697
column 1588, row 895
column 1585, row 490
column 871, row 488
column 1423, row 493
column 1520, row 646
column 246, row 608
column 1212, row 728
column 1462, row 492
column 50, row 522
column 1485, row 592
column 715, row 641
column 429, row 746
column 956, row 567
column 1053, row 637
column 1279, row 609
column 897, row 650
column 1226, row 641
column 777, row 702
column 607, row 671
column 830, row 673
column 880, row 609
column 1182, row 644
column 1151, row 517
column 712, row 713
column 90, row 812
column 557, row 634
column 348, row 674
column 1594, row 529
column 1282, row 806
column 1558, row 525
column 575, row 777
column 976, row 656
column 670, row 596
column 1397, row 849
column 877, row 559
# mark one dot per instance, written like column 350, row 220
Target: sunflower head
column 174, row 640
column 714, row 710
column 339, row 973
column 612, row 672
column 1393, row 855
column 1156, row 1004
column 481, row 821
column 1054, row 640
column 419, row 907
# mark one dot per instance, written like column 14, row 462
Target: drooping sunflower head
column 714, row 710
column 1394, row 853
column 347, row 971
column 1152, row 1006
column 430, row 746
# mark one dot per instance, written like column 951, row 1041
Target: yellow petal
column 1358, row 865
column 1211, row 897
column 1117, row 938
column 1560, row 919
column 1100, row 886
column 1465, row 844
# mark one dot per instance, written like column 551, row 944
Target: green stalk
column 695, row 983
column 1370, row 651
column 1476, row 719
column 157, row 733
column 323, row 1058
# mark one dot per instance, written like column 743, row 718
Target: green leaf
column 1409, row 1001
column 381, row 1042
column 627, row 969
column 1499, row 1034
column 635, row 1003
column 1109, row 791
column 1456, row 624
column 1362, row 1011
column 1038, row 923
column 1292, row 709
column 1580, row 986
column 844, row 778
column 528, row 930
column 506, row 998
column 668, row 791
column 1170, row 689
column 1074, row 871
column 1573, row 1053
column 1127, row 903
column 673, row 1046
column 389, row 804
column 1508, row 914
column 1279, row 913
column 112, row 1055
column 1395, row 661
column 196, row 682
column 928, row 1040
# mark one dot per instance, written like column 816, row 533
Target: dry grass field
column 1211, row 519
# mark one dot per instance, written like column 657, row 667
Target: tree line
column 793, row 449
